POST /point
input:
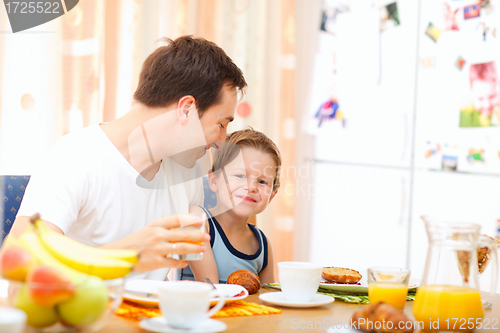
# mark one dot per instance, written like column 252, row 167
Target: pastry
column 483, row 256
column 341, row 275
column 246, row 279
column 381, row 318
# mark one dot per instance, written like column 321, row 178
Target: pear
column 38, row 316
column 87, row 305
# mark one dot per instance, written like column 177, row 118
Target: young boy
column 245, row 179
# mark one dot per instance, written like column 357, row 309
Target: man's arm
column 154, row 242
column 22, row 222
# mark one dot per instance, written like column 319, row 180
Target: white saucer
column 160, row 325
column 278, row 298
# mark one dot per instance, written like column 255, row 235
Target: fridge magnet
column 389, row 16
column 475, row 155
column 485, row 3
column 472, row 11
column 485, row 29
column 460, row 63
column 484, row 91
column 486, row 6
column 449, row 163
column 428, row 62
column 495, row 116
column 329, row 111
column 432, row 151
column 449, row 160
column 329, row 15
column 450, row 18
column 433, row 32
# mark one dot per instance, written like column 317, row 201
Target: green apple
column 87, row 305
column 38, row 316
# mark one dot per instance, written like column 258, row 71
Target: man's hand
column 161, row 238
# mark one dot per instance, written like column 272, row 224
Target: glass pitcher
column 448, row 299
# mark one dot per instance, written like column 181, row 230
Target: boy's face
column 485, row 96
column 250, row 179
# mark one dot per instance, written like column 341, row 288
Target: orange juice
column 448, row 308
column 193, row 229
column 391, row 293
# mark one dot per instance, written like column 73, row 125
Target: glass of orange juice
column 389, row 285
column 197, row 225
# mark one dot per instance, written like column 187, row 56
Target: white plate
column 277, row 298
column 359, row 289
column 160, row 325
column 342, row 330
column 136, row 291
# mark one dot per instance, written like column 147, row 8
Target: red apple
column 15, row 263
column 49, row 286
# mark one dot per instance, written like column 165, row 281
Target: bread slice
column 341, row 275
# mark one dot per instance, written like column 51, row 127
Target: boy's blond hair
column 252, row 139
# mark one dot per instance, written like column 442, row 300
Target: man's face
column 215, row 119
column 484, row 96
column 208, row 130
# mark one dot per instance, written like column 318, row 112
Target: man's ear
column 212, row 181
column 185, row 108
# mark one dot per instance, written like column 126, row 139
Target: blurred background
column 383, row 110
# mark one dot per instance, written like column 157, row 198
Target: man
column 120, row 184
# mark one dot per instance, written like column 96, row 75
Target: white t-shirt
column 89, row 190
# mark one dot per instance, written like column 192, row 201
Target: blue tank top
column 229, row 259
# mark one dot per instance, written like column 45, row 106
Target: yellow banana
column 31, row 243
column 71, row 245
column 81, row 257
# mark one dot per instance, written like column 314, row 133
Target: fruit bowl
column 91, row 305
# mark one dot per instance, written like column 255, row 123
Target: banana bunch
column 63, row 280
column 104, row 263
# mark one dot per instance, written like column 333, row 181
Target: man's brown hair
column 187, row 66
column 252, row 139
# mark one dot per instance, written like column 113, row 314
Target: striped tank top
column 229, row 259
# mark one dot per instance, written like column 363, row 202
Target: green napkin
column 359, row 299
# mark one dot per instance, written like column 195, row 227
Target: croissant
column 246, row 279
column 381, row 318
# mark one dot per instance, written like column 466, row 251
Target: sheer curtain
column 83, row 68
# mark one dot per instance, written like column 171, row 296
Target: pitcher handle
column 494, row 276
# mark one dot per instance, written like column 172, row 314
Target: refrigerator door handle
column 405, row 144
column 403, row 202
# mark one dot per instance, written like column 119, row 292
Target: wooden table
column 292, row 319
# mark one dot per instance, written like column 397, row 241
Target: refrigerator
column 393, row 146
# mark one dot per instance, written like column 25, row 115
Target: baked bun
column 246, row 279
column 341, row 275
column 382, row 313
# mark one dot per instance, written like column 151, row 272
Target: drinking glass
column 486, row 253
column 389, row 285
column 201, row 217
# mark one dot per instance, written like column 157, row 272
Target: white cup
column 299, row 280
column 184, row 304
column 12, row 320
